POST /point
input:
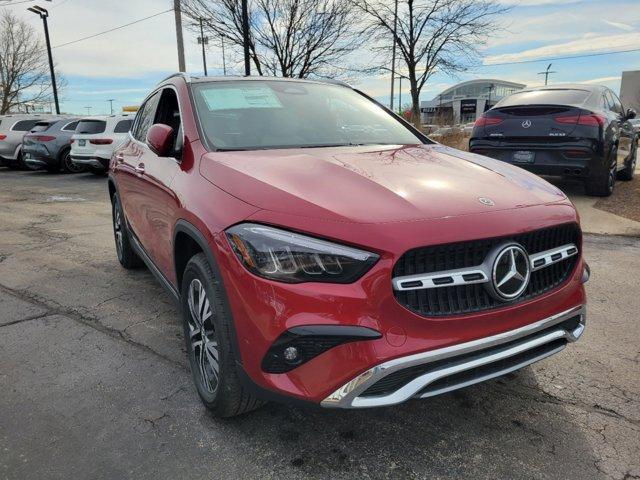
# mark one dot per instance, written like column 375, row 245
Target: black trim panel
column 311, row 341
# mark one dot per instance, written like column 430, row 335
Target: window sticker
column 240, row 97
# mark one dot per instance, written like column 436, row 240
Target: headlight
column 289, row 257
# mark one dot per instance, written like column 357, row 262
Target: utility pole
column 393, row 54
column 546, row 73
column 111, row 100
column 224, row 61
column 43, row 13
column 178, row 14
column 400, row 96
column 88, row 110
column 245, row 37
column 203, row 41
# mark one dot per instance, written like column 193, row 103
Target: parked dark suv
column 48, row 144
column 577, row 131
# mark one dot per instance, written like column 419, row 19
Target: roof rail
column 186, row 76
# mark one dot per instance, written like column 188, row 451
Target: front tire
column 602, row 184
column 207, row 331
column 127, row 257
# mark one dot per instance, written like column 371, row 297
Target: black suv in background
column 579, row 131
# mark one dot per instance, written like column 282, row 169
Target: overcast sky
column 125, row 64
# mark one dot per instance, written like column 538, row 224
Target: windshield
column 260, row 114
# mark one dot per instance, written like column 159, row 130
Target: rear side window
column 123, row 126
column 90, row 127
column 24, row 125
column 40, row 127
column 545, row 97
column 70, row 127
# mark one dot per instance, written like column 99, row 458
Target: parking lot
column 95, row 382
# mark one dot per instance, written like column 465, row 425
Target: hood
column 374, row 185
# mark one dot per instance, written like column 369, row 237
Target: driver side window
column 168, row 113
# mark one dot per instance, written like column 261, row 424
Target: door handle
column 140, row 169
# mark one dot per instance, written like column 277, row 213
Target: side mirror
column 159, row 139
column 631, row 113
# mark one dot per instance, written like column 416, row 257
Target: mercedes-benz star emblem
column 486, row 201
column 526, row 124
column 511, row 272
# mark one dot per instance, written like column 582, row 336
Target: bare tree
column 24, row 71
column 431, row 35
column 289, row 38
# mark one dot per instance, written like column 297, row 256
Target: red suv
column 326, row 252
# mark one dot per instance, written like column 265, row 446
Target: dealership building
column 630, row 90
column 466, row 101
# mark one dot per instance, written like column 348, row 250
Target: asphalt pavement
column 94, row 381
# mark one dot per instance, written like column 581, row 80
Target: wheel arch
column 188, row 241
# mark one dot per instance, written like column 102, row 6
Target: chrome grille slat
column 468, row 297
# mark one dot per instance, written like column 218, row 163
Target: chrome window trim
column 347, row 396
column 485, row 269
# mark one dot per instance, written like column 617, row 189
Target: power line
column 561, row 58
column 113, row 29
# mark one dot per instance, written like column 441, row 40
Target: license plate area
column 523, row 156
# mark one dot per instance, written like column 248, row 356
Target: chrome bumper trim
column 348, row 396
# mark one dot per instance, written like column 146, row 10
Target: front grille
column 398, row 379
column 463, row 299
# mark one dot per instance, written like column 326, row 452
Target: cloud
column 621, row 26
column 598, row 81
column 590, row 44
column 112, row 91
column 536, row 3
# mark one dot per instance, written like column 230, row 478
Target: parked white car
column 12, row 129
column 96, row 138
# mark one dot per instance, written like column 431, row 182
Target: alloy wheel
column 117, row 230
column 202, row 337
column 69, row 166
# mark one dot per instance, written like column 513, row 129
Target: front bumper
column 443, row 370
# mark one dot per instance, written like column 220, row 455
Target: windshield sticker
column 240, row 98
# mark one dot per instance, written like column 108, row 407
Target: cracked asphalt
column 94, row 381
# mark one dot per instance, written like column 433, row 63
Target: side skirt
column 154, row 270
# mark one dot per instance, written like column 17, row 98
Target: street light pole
column 43, row 13
column 245, row 37
column 393, row 54
column 203, row 40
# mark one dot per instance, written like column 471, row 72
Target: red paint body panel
column 386, row 200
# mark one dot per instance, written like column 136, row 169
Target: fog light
column 291, row 354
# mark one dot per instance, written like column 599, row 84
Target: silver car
column 12, row 129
